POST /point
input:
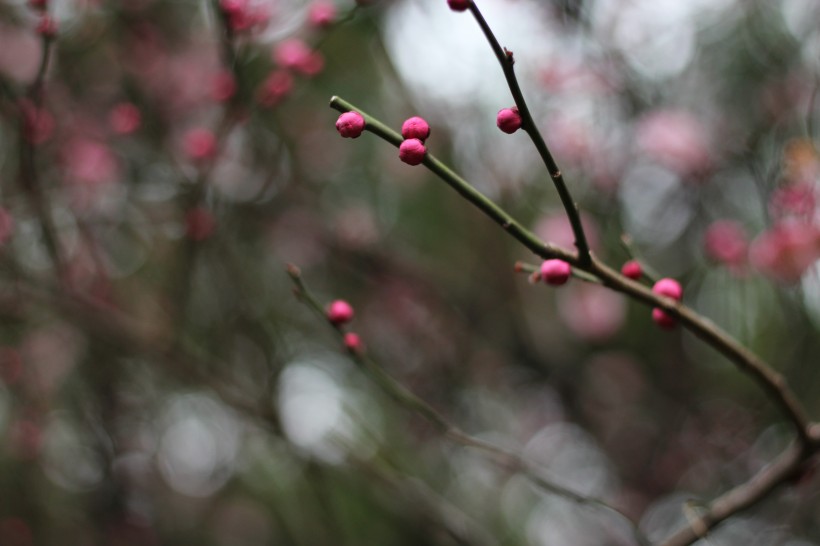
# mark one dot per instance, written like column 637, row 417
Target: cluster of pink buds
column 671, row 289
column 46, row 25
column 415, row 131
column 339, row 313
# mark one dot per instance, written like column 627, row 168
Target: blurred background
column 160, row 384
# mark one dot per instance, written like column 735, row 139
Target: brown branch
column 779, row 471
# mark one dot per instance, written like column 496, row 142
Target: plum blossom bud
column 459, row 5
column 412, row 151
column 663, row 319
column 415, row 127
column 555, row 272
column 632, row 270
column 350, row 124
column 353, row 343
column 669, row 288
column 200, row 144
column 508, row 120
column 339, row 312
column 39, row 5
column 321, row 13
column 124, row 118
column 291, row 53
column 47, row 27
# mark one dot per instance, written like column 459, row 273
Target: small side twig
column 507, row 62
column 506, row 458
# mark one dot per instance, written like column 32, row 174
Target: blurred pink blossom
column 199, row 144
column 223, row 86
column 675, row 139
column 725, row 241
column 275, row 88
column 555, row 228
column 785, row 251
column 295, row 54
column 89, row 162
column 797, row 200
column 124, row 118
column 19, row 53
column 321, row 13
column 592, row 312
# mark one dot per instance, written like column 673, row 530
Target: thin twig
column 505, row 458
column 507, row 62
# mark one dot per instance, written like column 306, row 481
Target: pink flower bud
column 663, row 319
column 555, row 272
column 350, row 124
column 632, row 270
column 339, row 312
column 415, row 127
column 321, row 13
column 669, row 288
column 508, row 120
column 353, row 343
column 459, row 5
column 47, row 27
column 412, row 151
column 200, row 144
column 40, row 5
column 124, row 118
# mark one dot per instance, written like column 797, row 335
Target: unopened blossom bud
column 669, row 288
column 339, row 312
column 412, row 151
column 555, row 272
column 632, row 270
column 459, row 5
column 508, row 120
column 40, row 5
column 353, row 343
column 663, row 319
column 350, row 124
column 415, row 127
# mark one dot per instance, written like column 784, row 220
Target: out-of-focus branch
column 782, row 469
column 505, row 458
column 29, row 111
